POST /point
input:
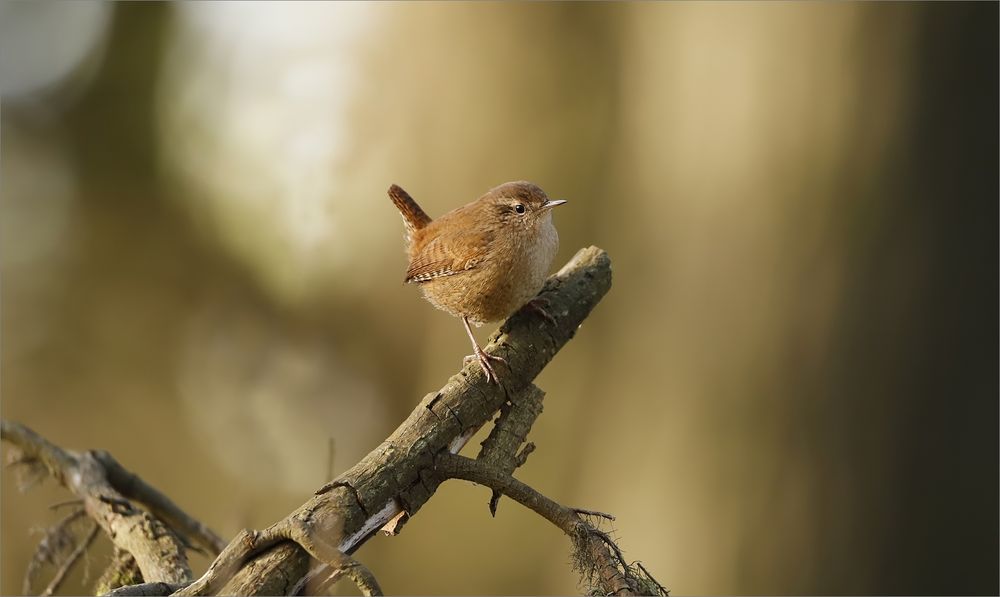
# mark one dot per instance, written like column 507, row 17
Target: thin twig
column 594, row 513
column 358, row 573
column 63, row 570
column 58, row 505
column 307, row 579
column 612, row 545
column 49, row 547
column 331, row 447
column 146, row 589
column 663, row 589
column 158, row 553
column 614, row 578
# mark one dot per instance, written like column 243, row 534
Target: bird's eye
column 519, row 208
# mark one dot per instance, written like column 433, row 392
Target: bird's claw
column 484, row 361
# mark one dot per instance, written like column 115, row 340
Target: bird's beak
column 553, row 203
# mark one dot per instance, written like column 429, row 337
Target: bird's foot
column 540, row 305
column 484, row 362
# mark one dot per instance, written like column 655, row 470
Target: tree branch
column 57, row 540
column 500, row 448
column 596, row 556
column 453, row 466
column 397, row 477
column 78, row 551
column 361, row 576
column 157, row 551
column 147, row 589
column 134, row 488
column 383, row 490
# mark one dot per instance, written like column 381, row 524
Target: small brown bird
column 484, row 260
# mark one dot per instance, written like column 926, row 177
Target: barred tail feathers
column 414, row 218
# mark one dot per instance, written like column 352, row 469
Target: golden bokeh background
column 792, row 387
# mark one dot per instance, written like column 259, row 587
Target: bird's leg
column 484, row 359
column 540, row 305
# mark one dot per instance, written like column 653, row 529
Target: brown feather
column 450, row 253
column 414, row 218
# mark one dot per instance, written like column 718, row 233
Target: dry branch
column 158, row 504
column 394, row 481
column 500, row 448
column 78, row 551
column 158, row 552
column 398, row 476
column 596, row 555
column 148, row 589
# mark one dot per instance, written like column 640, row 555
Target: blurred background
column 791, row 388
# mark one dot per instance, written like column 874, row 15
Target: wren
column 484, row 260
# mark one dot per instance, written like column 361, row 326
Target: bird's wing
column 448, row 255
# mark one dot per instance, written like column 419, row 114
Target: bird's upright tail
column 414, row 218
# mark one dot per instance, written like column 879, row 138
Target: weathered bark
column 500, row 448
column 157, row 551
column 398, row 475
column 396, row 479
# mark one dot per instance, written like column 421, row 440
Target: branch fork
column 385, row 489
